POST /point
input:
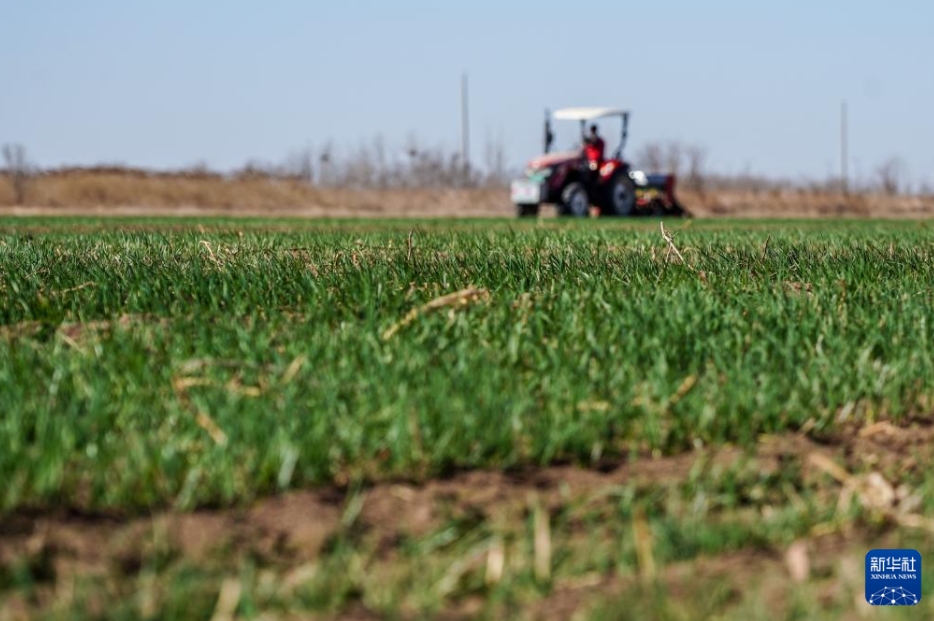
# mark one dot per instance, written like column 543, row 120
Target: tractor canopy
column 583, row 115
column 587, row 114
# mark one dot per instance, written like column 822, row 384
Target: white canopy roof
column 586, row 114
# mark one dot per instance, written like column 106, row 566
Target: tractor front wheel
column 574, row 200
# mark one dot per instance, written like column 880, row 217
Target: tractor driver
column 593, row 148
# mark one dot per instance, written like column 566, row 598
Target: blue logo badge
column 893, row 577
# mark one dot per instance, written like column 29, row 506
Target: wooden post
column 465, row 129
column 844, row 174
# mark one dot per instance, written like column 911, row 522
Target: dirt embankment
column 127, row 192
column 289, row 532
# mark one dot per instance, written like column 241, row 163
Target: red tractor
column 578, row 179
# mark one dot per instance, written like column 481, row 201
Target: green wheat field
column 406, row 419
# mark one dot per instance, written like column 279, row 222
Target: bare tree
column 326, row 165
column 673, row 158
column 360, row 170
column 495, row 156
column 197, row 170
column 651, row 156
column 18, row 170
column 697, row 159
column 676, row 158
column 890, row 174
column 382, row 167
column 298, row 166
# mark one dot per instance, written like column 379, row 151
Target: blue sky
column 174, row 83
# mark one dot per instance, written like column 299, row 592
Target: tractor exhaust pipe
column 622, row 143
column 549, row 137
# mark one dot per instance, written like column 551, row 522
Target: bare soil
column 105, row 193
column 292, row 529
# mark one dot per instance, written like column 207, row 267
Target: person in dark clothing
column 593, row 147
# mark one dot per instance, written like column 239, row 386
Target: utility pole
column 844, row 176
column 465, row 129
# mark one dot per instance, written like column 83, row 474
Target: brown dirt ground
column 104, row 193
column 290, row 530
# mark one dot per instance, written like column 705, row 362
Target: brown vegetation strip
column 72, row 332
column 114, row 192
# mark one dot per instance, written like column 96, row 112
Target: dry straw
column 456, row 299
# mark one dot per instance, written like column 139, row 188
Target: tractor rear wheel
column 527, row 211
column 620, row 195
column 574, row 200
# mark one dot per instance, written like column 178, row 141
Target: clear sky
column 176, row 82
